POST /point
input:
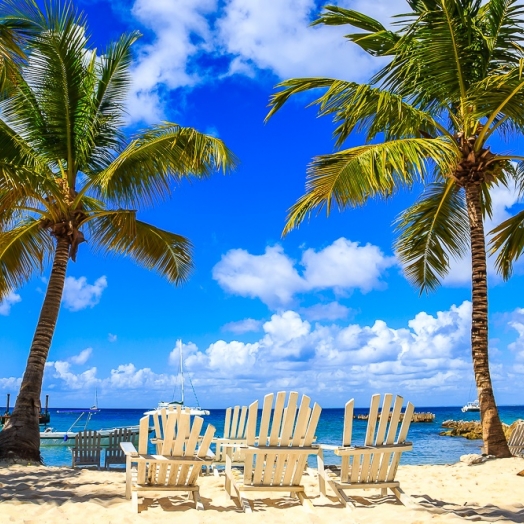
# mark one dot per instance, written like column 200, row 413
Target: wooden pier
column 45, row 416
column 417, row 417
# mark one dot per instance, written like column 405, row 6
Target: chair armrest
column 129, row 449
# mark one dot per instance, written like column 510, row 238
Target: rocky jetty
column 470, row 430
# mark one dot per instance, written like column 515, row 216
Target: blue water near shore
column 428, row 446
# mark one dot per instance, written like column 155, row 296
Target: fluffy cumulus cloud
column 6, row 304
column 274, row 278
column 199, row 40
column 430, row 353
column 78, row 294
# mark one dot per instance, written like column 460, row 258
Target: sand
column 491, row 492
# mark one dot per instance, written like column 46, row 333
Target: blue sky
column 326, row 310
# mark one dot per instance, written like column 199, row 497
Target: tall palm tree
column 454, row 81
column 66, row 170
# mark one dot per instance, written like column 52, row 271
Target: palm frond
column 435, row 227
column 350, row 177
column 153, row 248
column 376, row 40
column 361, row 108
column 508, row 240
column 23, row 251
column 142, row 173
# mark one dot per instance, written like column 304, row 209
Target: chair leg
column 198, row 503
column 244, row 503
column 304, row 500
column 383, row 492
column 321, row 473
column 135, row 501
column 344, row 499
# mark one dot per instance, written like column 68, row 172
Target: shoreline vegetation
column 443, row 493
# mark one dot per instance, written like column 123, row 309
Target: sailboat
column 174, row 403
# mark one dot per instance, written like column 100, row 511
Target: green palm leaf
column 361, row 108
column 434, row 227
column 23, row 250
column 153, row 248
column 351, row 177
column 508, row 240
column 143, row 171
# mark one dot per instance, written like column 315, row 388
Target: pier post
column 7, row 404
column 46, row 403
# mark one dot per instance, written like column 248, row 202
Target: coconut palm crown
column 67, row 174
column 454, row 81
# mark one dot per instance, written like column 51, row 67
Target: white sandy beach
column 491, row 492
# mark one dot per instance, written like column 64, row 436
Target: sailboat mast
column 181, row 368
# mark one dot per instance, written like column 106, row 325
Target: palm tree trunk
column 494, row 440
column 20, row 438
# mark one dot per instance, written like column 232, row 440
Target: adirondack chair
column 178, row 461
column 375, row 464
column 87, row 449
column 277, row 461
column 516, row 441
column 235, row 427
column 114, row 454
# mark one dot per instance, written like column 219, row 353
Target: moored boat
column 473, row 405
column 193, row 410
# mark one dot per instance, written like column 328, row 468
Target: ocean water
column 428, row 446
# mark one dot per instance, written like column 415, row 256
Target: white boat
column 193, row 410
column 50, row 437
column 473, row 405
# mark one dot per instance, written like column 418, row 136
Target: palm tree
column 453, row 82
column 66, row 170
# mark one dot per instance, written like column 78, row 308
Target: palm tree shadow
column 472, row 511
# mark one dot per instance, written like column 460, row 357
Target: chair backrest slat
column 264, row 422
column 288, row 423
column 241, row 429
column 395, row 420
column 252, row 423
column 372, row 420
column 383, row 420
column 348, row 423
column 302, row 421
column 143, row 434
column 227, row 424
column 274, row 437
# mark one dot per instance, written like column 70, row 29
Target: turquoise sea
column 428, row 446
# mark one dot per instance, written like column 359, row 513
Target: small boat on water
column 473, row 405
column 50, row 437
column 197, row 410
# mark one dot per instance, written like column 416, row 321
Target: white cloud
column 8, row 301
column 240, row 37
column 277, row 36
column 346, row 265
column 332, row 363
column 270, row 277
column 243, row 326
column 274, row 279
column 111, row 337
column 331, row 311
column 78, row 294
column 82, row 357
column 10, row 383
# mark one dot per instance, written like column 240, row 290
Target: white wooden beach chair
column 375, row 464
column 516, row 440
column 86, row 451
column 179, row 458
column 234, row 437
column 277, row 462
column 114, row 455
